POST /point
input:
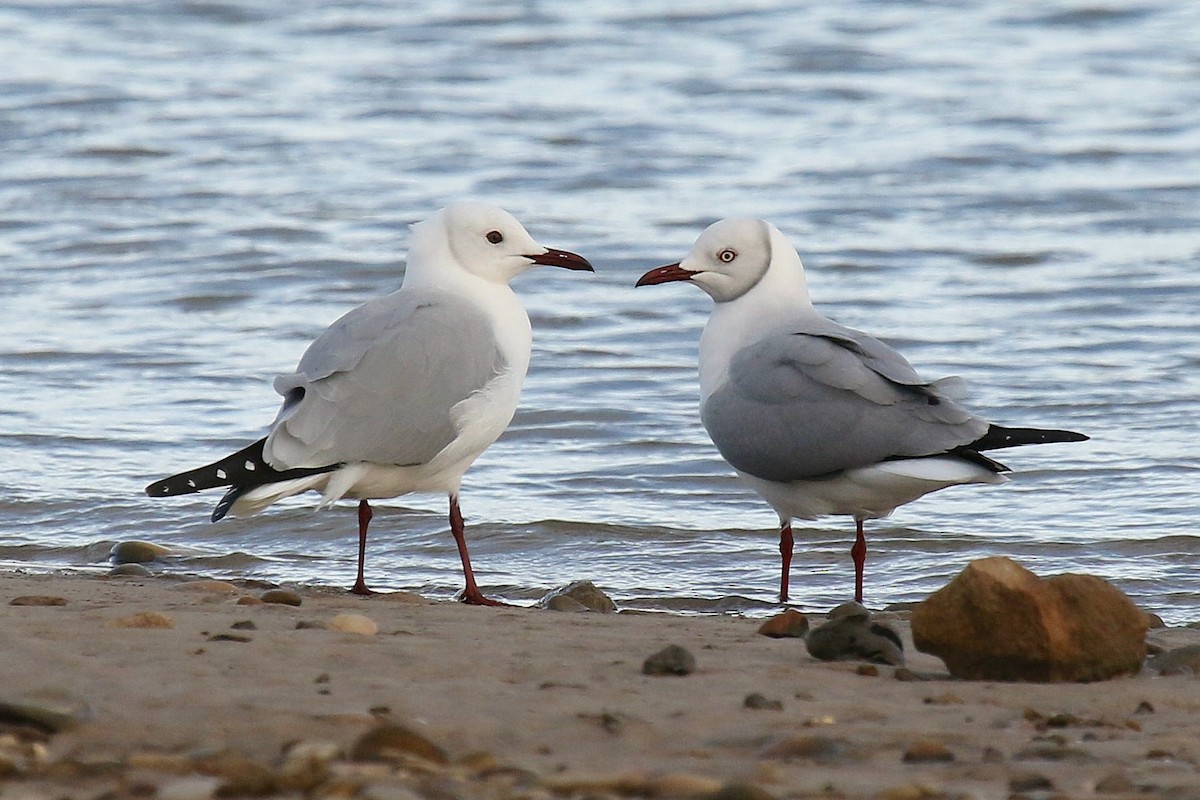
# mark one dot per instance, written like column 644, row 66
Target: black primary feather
column 241, row 471
column 998, row 437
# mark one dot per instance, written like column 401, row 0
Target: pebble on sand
column 390, row 741
column 578, row 596
column 130, row 571
column 285, row 597
column 50, row 711
column 37, row 600
column 1180, row 661
column 671, row 660
column 791, row 624
column 851, row 635
column 136, row 552
column 761, row 702
column 925, row 751
column 354, row 623
column 144, row 619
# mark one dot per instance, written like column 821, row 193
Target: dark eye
column 727, row 255
column 495, row 237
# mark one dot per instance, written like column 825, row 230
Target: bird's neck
column 779, row 300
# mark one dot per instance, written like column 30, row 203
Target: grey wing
column 801, row 405
column 380, row 384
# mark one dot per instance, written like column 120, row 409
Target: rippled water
column 191, row 191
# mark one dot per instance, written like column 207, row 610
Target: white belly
column 869, row 492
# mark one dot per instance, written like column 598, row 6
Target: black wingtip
column 999, row 437
column 226, row 502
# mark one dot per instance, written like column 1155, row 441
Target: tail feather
column 998, row 437
column 240, row 471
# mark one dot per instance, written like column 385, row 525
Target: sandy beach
column 155, row 687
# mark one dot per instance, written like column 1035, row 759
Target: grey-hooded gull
column 819, row 418
column 404, row 392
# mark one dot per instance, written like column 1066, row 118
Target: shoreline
column 157, row 677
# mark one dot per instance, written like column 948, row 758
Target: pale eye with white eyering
column 495, row 237
column 727, row 255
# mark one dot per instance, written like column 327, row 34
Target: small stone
column 191, row 787
column 229, row 637
column 850, row 610
column 1029, row 782
column 130, row 571
column 911, row 791
column 867, row 670
column 37, row 600
column 244, row 625
column 247, row 600
column 49, row 710
column 926, row 751
column 737, row 790
column 562, row 602
column 1115, row 783
column 821, row 749
column 392, row 742
column 239, row 776
column 136, row 552
column 677, row 784
column 305, row 766
column 671, row 660
column 790, row 624
column 944, row 699
column 354, row 623
column 1144, row 707
column 760, row 702
column 144, row 619
column 309, row 625
column 850, row 635
column 1180, row 661
column 285, row 597
column 584, row 593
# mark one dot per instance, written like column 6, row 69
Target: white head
column 484, row 240
column 733, row 256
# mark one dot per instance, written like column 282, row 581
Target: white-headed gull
column 819, row 418
column 403, row 393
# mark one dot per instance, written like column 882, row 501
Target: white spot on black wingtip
column 221, row 474
column 191, row 483
column 250, row 465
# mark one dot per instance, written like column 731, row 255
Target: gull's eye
column 727, row 255
column 495, row 237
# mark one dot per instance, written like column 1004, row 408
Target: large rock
column 998, row 621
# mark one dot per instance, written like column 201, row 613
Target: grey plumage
column 333, row 400
column 827, row 400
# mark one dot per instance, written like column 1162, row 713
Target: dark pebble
column 760, row 702
column 671, row 660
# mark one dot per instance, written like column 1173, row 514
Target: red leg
column 472, row 595
column 859, row 554
column 364, row 519
column 786, row 542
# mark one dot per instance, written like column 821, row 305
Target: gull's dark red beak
column 671, row 272
column 561, row 258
